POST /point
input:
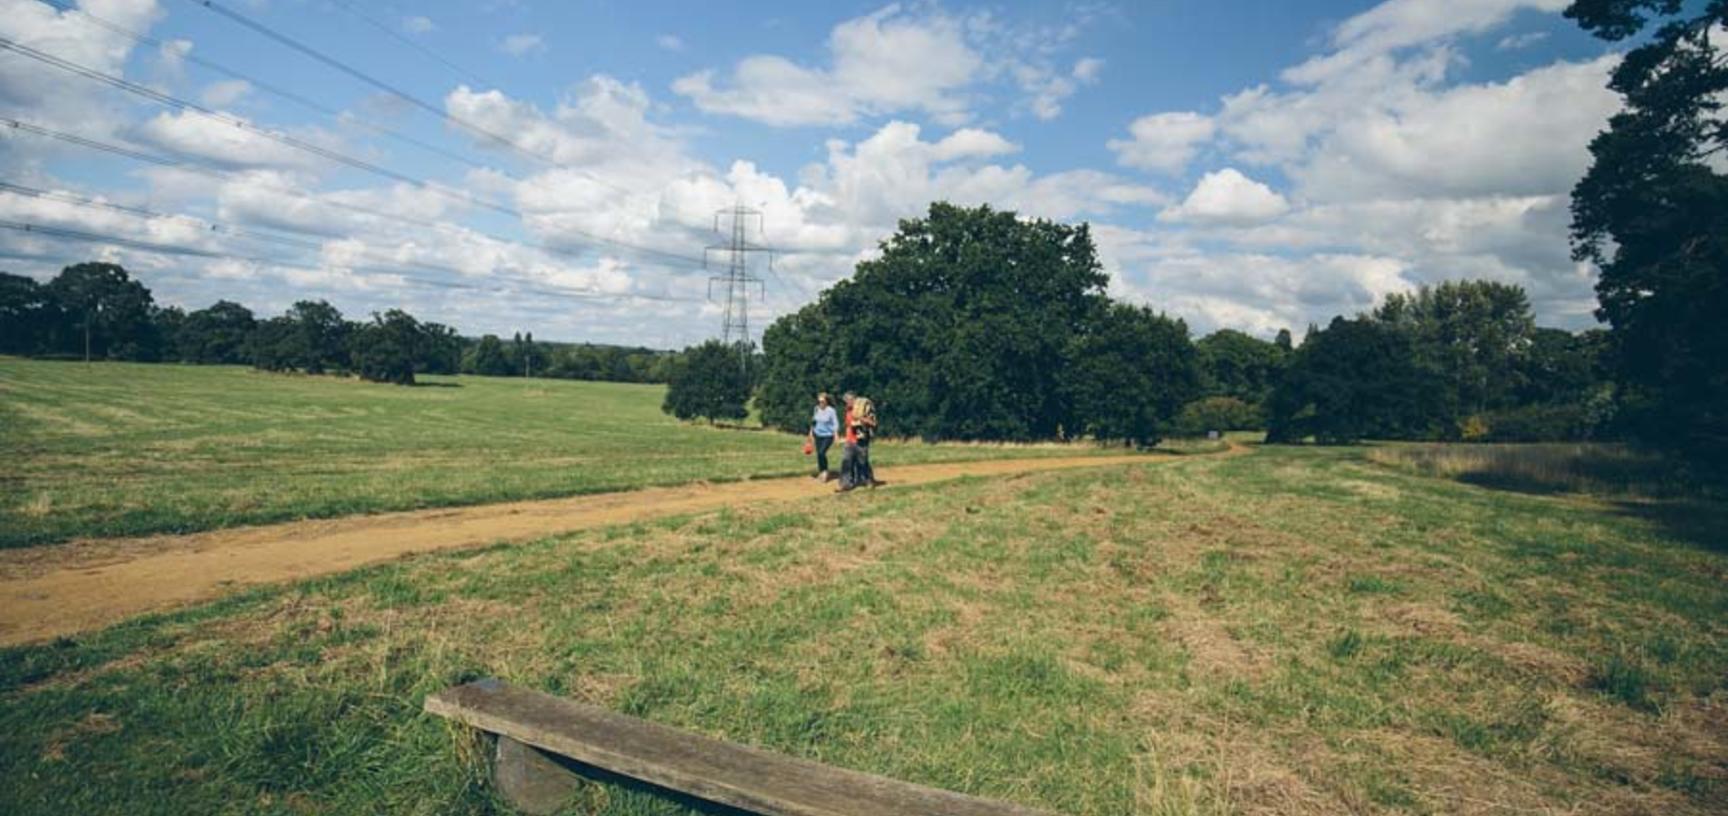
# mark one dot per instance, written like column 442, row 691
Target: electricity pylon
column 737, row 279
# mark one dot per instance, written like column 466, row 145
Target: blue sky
column 1254, row 166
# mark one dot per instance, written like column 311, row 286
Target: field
column 1290, row 631
column 86, row 453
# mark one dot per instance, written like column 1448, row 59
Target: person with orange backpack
column 860, row 427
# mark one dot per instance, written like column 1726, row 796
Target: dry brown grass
column 1573, row 468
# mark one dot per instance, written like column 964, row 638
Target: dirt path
column 46, row 592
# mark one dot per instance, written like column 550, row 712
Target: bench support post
column 531, row 780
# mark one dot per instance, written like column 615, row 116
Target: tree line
column 974, row 324
column 98, row 311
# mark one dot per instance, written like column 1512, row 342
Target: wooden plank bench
column 534, row 730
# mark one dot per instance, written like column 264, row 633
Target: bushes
column 1540, row 423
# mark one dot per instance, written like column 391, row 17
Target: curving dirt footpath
column 47, row 592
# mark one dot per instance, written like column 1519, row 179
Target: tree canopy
column 1461, row 360
column 1129, row 372
column 1238, row 365
column 390, row 348
column 221, row 333
column 960, row 329
column 112, row 313
column 1652, row 213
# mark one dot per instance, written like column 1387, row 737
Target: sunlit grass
column 118, row 449
column 1293, row 631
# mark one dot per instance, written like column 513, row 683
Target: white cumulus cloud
column 1164, row 142
column 1228, row 197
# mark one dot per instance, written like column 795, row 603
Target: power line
column 66, row 7
column 300, row 144
column 175, row 249
column 392, row 33
column 358, row 74
column 775, row 274
column 228, row 175
column 434, row 109
column 241, row 124
column 313, row 246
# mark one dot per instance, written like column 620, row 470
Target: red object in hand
column 809, row 446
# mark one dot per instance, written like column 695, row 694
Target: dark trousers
column 855, row 470
column 823, row 443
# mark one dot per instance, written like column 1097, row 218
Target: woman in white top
column 823, row 425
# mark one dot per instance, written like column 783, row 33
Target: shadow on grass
column 418, row 384
column 1700, row 521
column 1516, row 483
column 1683, row 500
column 1703, row 523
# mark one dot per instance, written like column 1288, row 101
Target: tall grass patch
column 1597, row 468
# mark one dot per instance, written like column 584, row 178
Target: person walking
column 860, row 426
column 823, row 426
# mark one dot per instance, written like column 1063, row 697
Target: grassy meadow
column 124, row 449
column 1290, row 631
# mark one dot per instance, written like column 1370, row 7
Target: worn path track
column 47, row 592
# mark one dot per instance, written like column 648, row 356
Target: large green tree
column 311, row 337
column 486, row 358
column 443, row 352
column 110, row 313
column 1239, row 365
column 710, row 381
column 1563, row 367
column 28, row 314
column 219, row 334
column 1652, row 213
column 959, row 329
column 1470, row 337
column 390, row 348
column 1356, row 379
column 1130, row 371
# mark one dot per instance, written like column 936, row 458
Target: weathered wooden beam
column 713, row 770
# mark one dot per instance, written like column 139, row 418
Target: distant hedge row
column 97, row 310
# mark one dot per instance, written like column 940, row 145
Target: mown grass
column 1293, row 631
column 122, row 449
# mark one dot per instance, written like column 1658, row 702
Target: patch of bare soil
column 48, row 592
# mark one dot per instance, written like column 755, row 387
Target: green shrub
column 1218, row 414
column 712, row 381
column 1571, row 422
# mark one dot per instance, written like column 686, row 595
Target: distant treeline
column 976, row 324
column 97, row 310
